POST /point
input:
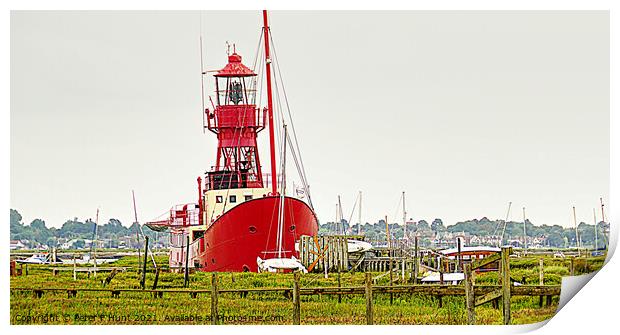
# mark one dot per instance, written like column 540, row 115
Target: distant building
column 17, row 245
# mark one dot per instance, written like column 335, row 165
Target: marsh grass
column 263, row 307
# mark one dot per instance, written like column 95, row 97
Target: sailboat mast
column 404, row 218
column 95, row 242
column 501, row 239
column 135, row 221
column 387, row 233
column 603, row 220
column 339, row 216
column 595, row 230
column 272, row 143
column 359, row 216
column 576, row 231
column 524, row 232
column 602, row 211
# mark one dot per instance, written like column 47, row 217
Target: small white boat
column 280, row 264
column 87, row 259
column 358, row 246
column 43, row 258
column 453, row 278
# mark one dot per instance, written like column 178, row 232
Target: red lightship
column 240, row 220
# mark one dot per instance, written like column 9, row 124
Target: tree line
column 554, row 236
column 37, row 233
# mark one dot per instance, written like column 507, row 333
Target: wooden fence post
column 391, row 280
column 572, row 266
column 541, row 278
column 368, row 291
column 186, row 276
column 214, row 316
column 469, row 295
column 146, row 248
column 339, row 295
column 416, row 261
column 296, row 299
column 506, row 284
column 459, row 256
column 156, row 278
column 440, row 281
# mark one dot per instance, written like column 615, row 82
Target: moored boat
column 241, row 219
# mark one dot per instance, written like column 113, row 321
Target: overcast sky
column 465, row 111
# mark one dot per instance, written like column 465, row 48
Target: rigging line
column 499, row 222
column 283, row 187
column 300, row 172
column 283, row 159
column 400, row 199
column 259, row 88
column 269, row 231
column 279, row 121
column 293, row 224
column 276, row 124
column 298, row 167
column 297, row 162
column 276, row 208
column 282, row 119
column 277, row 65
column 259, row 50
column 280, row 207
column 505, row 223
column 353, row 209
column 257, row 56
column 139, row 225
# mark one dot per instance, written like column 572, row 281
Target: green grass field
column 263, row 307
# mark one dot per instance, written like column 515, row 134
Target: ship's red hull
column 249, row 230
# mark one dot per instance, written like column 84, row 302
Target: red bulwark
column 234, row 241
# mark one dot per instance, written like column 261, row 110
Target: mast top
column 235, row 68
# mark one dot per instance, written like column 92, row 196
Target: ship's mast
column 272, row 144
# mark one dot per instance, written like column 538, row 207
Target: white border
column 591, row 311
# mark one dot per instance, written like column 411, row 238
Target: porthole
column 252, row 229
column 213, row 260
column 292, row 228
column 246, row 268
